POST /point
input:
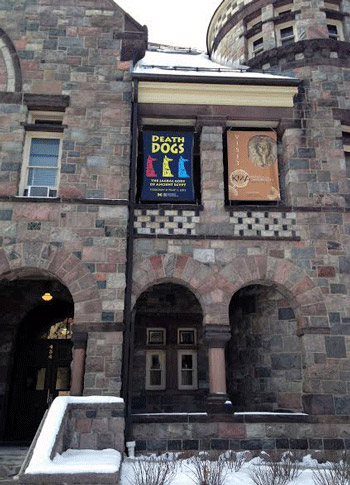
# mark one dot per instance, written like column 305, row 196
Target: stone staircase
column 11, row 459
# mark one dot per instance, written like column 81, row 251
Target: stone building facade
column 66, row 94
column 192, row 311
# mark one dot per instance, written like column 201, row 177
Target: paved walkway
column 11, row 459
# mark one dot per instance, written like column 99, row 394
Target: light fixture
column 47, row 297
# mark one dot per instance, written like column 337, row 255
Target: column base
column 219, row 404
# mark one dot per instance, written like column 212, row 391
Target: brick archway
column 10, row 65
column 214, row 287
column 21, row 259
column 304, row 296
column 210, row 288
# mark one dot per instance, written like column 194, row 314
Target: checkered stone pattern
column 264, row 224
column 166, row 221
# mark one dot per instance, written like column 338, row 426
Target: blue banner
column 167, row 167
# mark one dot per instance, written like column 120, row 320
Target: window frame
column 155, row 329
column 339, row 26
column 186, row 329
column 251, row 52
column 162, row 361
column 194, row 384
column 283, row 26
column 30, row 135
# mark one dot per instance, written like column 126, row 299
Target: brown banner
column 252, row 165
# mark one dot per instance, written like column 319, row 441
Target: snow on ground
column 183, row 476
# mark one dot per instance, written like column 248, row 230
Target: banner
column 167, row 167
column 252, row 165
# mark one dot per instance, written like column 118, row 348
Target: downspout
column 128, row 320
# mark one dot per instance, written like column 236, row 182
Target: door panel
column 42, row 371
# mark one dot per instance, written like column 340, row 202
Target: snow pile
column 242, row 477
column 41, row 462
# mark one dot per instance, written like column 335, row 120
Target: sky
column 182, row 23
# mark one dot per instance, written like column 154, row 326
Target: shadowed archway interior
column 264, row 359
column 35, row 351
column 170, row 370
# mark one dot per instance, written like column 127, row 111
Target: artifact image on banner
column 167, row 167
column 252, row 165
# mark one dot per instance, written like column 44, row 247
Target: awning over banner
column 252, row 165
column 167, row 172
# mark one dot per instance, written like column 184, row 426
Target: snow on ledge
column 265, row 413
column 41, row 462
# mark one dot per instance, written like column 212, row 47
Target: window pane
column 287, row 32
column 332, row 29
column 187, row 361
column 187, row 337
column 42, row 176
column 40, row 379
column 44, row 152
column 62, row 378
column 155, row 362
column 155, row 377
column 187, row 378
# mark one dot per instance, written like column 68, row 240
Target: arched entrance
column 170, row 369
column 264, row 356
column 36, row 350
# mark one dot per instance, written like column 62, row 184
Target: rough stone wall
column 69, row 58
column 264, row 359
column 71, row 51
column 311, row 269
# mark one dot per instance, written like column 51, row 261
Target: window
column 42, row 154
column 286, row 35
column 187, row 336
column 255, row 45
column 258, row 46
column 156, row 336
column 155, row 370
column 335, row 30
column 187, row 369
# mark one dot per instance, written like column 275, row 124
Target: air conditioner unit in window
column 40, row 191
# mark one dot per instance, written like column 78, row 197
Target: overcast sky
column 181, row 23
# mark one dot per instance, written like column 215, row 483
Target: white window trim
column 254, row 22
column 156, row 329
column 45, row 116
column 251, row 52
column 180, row 353
column 186, row 329
column 338, row 24
column 331, row 6
column 281, row 10
column 25, row 165
column 162, row 361
column 280, row 27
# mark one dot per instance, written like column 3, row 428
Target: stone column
column 217, row 336
column 78, row 363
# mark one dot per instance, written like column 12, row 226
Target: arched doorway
column 38, row 352
column 264, row 357
column 170, row 369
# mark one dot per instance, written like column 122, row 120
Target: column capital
column 208, row 120
column 217, row 336
column 79, row 339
